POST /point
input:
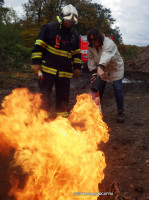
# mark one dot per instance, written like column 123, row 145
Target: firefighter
column 106, row 65
column 56, row 56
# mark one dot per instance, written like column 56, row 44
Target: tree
column 33, row 10
column 87, row 17
column 1, row 3
column 116, row 35
column 1, row 8
column 8, row 16
column 39, row 12
column 52, row 8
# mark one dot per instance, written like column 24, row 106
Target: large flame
column 59, row 156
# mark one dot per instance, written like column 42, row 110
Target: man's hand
column 100, row 72
column 35, row 69
column 76, row 73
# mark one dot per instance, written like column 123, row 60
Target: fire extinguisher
column 94, row 91
column 96, row 99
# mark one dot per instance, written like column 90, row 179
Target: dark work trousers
column 62, row 87
column 119, row 96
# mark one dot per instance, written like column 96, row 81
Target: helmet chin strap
column 59, row 19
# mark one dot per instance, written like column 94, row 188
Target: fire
column 59, row 156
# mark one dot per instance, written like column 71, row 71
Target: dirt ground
column 126, row 152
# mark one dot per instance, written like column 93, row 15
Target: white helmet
column 69, row 13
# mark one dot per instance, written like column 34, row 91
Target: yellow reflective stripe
column 41, row 43
column 49, row 70
column 37, row 55
column 65, row 74
column 54, row 71
column 53, row 50
column 59, row 52
column 76, row 51
column 63, row 114
column 77, row 60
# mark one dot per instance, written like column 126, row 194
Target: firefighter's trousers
column 62, row 89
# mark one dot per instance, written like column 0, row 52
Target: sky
column 131, row 17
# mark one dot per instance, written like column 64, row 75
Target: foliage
column 13, row 54
column 8, row 15
column 117, row 37
column 17, row 36
column 38, row 12
column 128, row 51
column 1, row 3
column 9, row 33
column 18, row 54
column 87, row 18
column 29, row 36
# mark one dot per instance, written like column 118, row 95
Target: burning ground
column 126, row 152
column 59, row 157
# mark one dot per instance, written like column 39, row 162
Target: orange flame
column 59, row 156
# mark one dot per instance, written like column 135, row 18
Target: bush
column 14, row 55
column 18, row 54
column 12, row 52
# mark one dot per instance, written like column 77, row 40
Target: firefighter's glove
column 93, row 78
column 76, row 73
column 35, row 69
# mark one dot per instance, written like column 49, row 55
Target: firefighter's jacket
column 57, row 50
column 108, row 56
